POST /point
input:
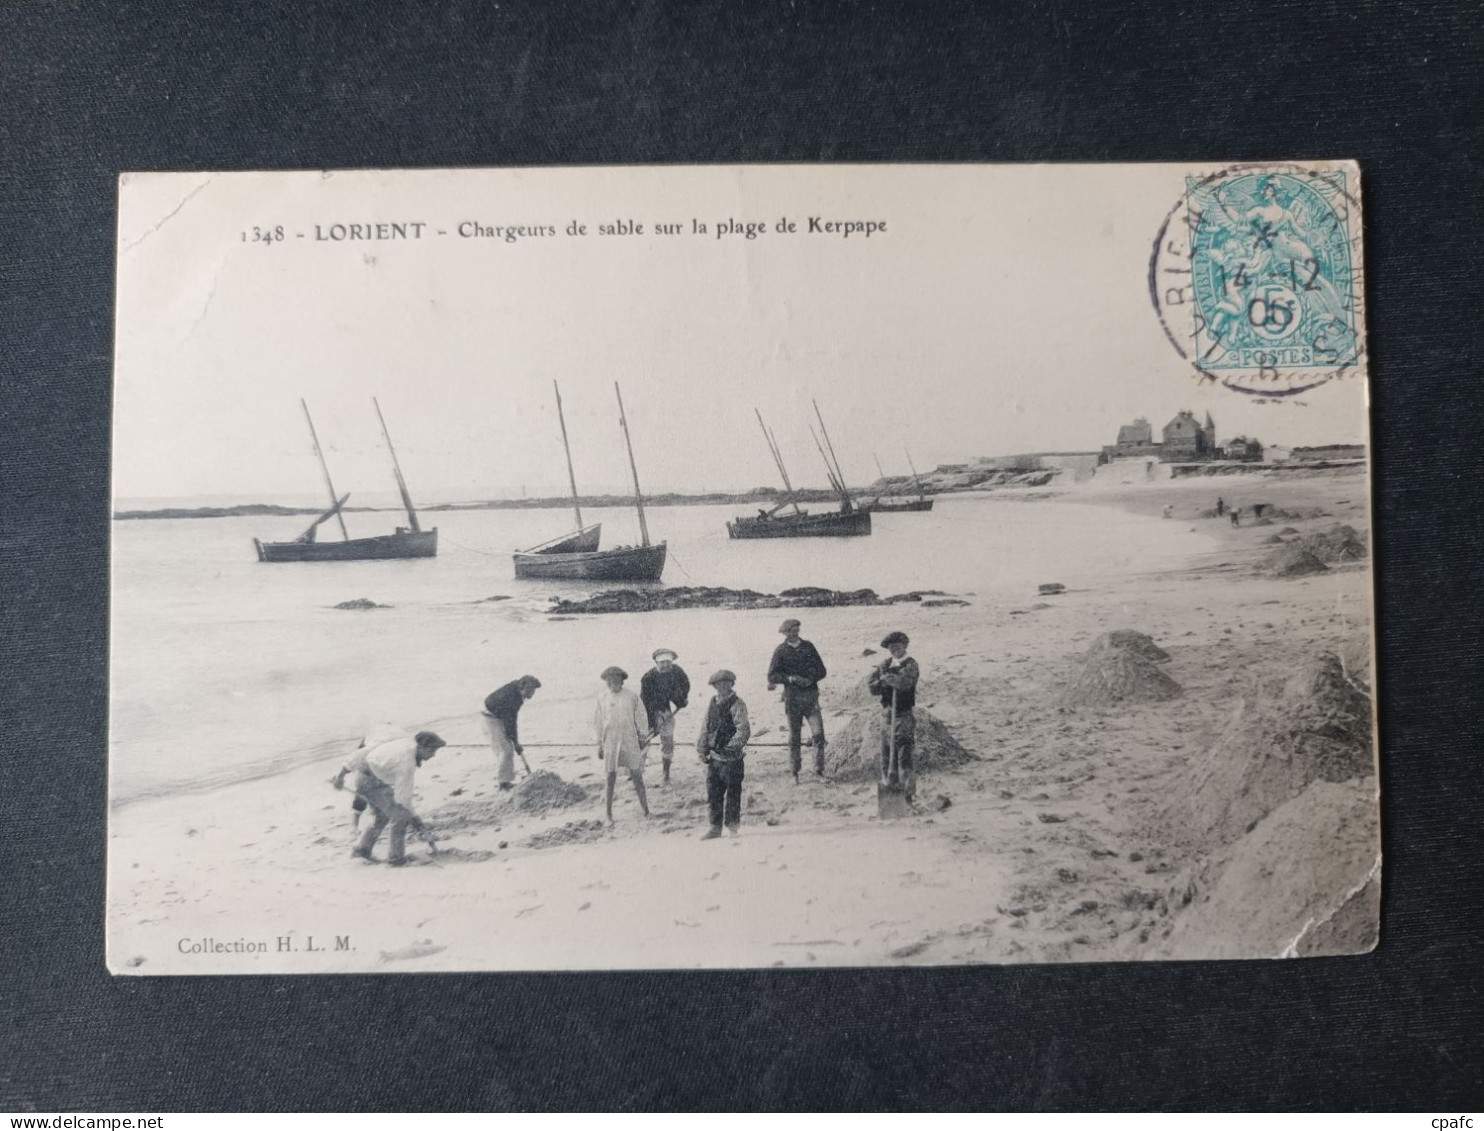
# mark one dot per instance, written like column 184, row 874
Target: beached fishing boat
column 887, row 503
column 410, row 541
column 584, row 539
column 644, row 562
column 849, row 521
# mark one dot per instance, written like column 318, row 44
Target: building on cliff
column 1183, row 440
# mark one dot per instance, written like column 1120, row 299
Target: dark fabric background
column 89, row 89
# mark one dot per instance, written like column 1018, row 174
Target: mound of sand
column 1340, row 543
column 854, row 752
column 1314, row 724
column 1293, row 561
column 1113, row 675
column 573, row 832
column 1135, row 643
column 543, row 791
column 1305, row 881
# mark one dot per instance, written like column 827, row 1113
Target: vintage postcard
column 612, row 568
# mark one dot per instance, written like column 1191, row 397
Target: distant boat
column 410, row 541
column 877, row 506
column 891, row 503
column 644, row 562
column 584, row 539
column 849, row 521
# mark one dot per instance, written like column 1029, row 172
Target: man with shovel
column 664, row 689
column 501, row 720
column 383, row 779
column 895, row 681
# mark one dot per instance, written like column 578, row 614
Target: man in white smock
column 622, row 726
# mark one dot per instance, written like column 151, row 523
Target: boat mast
column 915, row 477
column 566, row 447
column 839, row 475
column 828, row 470
column 323, row 466
column 397, row 470
column 638, row 495
column 880, row 470
column 777, row 459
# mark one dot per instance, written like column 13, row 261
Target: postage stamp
column 1257, row 277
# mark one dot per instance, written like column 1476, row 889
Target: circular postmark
column 1257, row 277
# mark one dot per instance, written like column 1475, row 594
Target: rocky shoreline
column 706, row 597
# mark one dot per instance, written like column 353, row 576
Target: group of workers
column 625, row 724
column 1234, row 513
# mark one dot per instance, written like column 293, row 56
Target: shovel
column 891, row 798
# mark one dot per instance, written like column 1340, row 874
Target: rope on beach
column 593, row 742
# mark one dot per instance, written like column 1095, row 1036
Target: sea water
column 225, row 668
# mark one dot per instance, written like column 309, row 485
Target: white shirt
column 393, row 762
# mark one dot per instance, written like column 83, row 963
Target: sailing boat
column 921, row 503
column 848, row 521
column 644, row 562
column 585, row 538
column 410, row 541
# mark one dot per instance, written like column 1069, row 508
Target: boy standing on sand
column 502, row 724
column 622, row 733
column 797, row 666
column 664, row 690
column 384, row 774
column 895, row 681
column 722, row 745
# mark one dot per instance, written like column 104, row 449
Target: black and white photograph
column 740, row 567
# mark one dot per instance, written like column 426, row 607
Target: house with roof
column 1183, row 440
column 1187, row 440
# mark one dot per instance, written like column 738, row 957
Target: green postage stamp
column 1258, row 277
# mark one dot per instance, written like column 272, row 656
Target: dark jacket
column 901, row 678
column 505, row 703
column 660, row 691
column 725, row 734
column 801, row 660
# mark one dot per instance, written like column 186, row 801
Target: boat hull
column 853, row 524
column 886, row 505
column 384, row 547
column 629, row 563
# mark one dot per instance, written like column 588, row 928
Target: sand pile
column 1340, row 543
column 1121, row 667
column 573, row 832
column 1294, row 561
column 540, row 792
column 544, row 791
column 854, row 751
column 1130, row 641
column 1305, row 881
column 1283, row 735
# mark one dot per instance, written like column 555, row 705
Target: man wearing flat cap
column 722, row 745
column 797, row 666
column 895, row 682
column 664, row 690
column 622, row 733
column 383, row 779
column 502, row 724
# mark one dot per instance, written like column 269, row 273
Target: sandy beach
column 1154, row 828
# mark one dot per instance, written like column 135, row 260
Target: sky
column 1002, row 310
